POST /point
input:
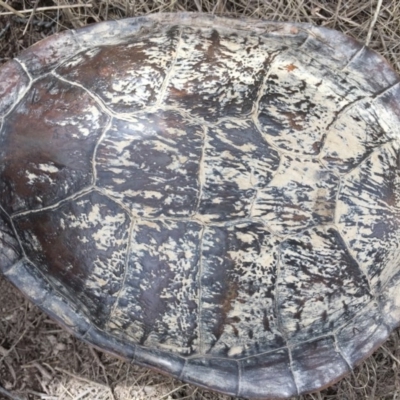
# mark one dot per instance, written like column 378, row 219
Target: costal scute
column 216, row 199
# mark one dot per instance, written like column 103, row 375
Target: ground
column 39, row 360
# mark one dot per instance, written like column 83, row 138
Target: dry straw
column 38, row 360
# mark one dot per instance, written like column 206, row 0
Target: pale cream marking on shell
column 202, row 170
column 288, row 178
column 103, row 107
column 51, row 168
column 169, row 73
column 21, row 94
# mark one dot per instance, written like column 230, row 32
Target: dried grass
column 38, row 360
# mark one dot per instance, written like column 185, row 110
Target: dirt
column 39, row 360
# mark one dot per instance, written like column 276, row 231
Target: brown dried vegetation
column 38, row 360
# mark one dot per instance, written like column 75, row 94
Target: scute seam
column 350, row 251
column 77, row 195
column 100, row 102
column 169, row 72
column 200, row 292
column 201, row 170
column 339, row 350
column 102, row 136
column 126, row 265
column 291, row 370
column 353, row 57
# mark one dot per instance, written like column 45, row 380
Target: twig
column 30, row 17
column 9, row 8
column 9, row 395
column 50, row 8
column 373, row 22
column 13, row 345
column 81, row 378
column 97, row 358
column 390, row 354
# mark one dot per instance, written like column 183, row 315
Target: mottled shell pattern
column 216, row 199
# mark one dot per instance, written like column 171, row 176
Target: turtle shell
column 216, row 199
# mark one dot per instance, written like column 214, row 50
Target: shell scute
column 356, row 339
column 368, row 214
column 301, row 194
column 53, row 115
column 13, row 84
column 239, row 271
column 81, row 247
column 268, row 376
column 159, row 360
column 127, row 76
column 149, row 165
column 314, row 301
column 213, row 198
column 371, row 71
column 47, row 54
column 233, row 169
column 316, row 363
column 213, row 78
column 293, row 110
column 157, row 306
column 221, row 374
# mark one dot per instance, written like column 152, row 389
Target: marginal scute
column 109, row 343
column 323, row 41
column 367, row 214
column 81, row 246
column 160, row 360
column 267, row 376
column 239, row 268
column 234, row 167
column 10, row 250
column 386, row 107
column 152, row 164
column 390, row 302
column 220, row 374
column 301, row 194
column 158, row 303
column 45, row 55
column 371, row 71
column 315, row 364
column 13, row 83
column 111, row 32
column 24, row 274
column 359, row 338
column 320, row 286
column 46, row 145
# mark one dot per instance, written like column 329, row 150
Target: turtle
column 213, row 198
